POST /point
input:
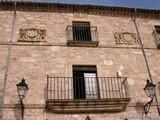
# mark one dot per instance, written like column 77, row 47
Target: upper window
column 81, row 31
column 157, row 36
column 82, row 34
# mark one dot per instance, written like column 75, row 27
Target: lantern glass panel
column 150, row 89
column 22, row 90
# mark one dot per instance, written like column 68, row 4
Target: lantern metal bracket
column 22, row 89
column 147, row 106
column 22, row 109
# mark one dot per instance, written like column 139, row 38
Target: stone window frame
column 74, row 39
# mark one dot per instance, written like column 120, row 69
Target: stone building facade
column 46, row 45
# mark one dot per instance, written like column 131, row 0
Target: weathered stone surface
column 34, row 61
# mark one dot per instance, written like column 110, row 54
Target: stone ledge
column 89, row 106
column 26, row 105
column 64, row 44
column 82, row 43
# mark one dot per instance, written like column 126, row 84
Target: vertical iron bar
column 50, row 87
column 47, row 86
column 108, row 79
column 87, row 33
column 126, row 88
column 81, row 33
column 54, row 89
column 74, row 34
column 115, row 87
column 49, row 90
column 118, row 82
column 78, row 32
column 81, row 88
column 92, row 34
column 112, row 87
column 102, row 83
column 96, row 35
column 92, row 88
column 83, row 80
column 93, row 80
column 61, row 89
column 58, row 87
column 71, row 89
column 64, row 83
column 123, row 87
column 105, row 90
column 98, row 87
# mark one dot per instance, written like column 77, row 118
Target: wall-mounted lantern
column 22, row 89
column 150, row 90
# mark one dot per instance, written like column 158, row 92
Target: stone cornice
column 90, row 9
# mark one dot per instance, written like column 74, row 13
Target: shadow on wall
column 158, row 88
column 17, row 111
column 139, row 107
column 45, row 93
column 45, row 98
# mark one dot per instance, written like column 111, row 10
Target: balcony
column 82, row 36
column 98, row 94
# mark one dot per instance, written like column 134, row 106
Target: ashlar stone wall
column 35, row 60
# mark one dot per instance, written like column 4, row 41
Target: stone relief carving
column 32, row 35
column 126, row 38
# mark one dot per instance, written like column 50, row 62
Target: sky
column 152, row 4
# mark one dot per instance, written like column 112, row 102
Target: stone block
column 108, row 62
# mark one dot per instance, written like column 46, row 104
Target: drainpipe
column 145, row 58
column 7, row 63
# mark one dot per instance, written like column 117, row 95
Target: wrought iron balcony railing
column 87, row 94
column 70, row 88
column 82, row 35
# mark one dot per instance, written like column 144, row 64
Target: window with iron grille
column 81, row 31
column 85, row 82
column 82, row 34
column 157, row 35
column 158, row 31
